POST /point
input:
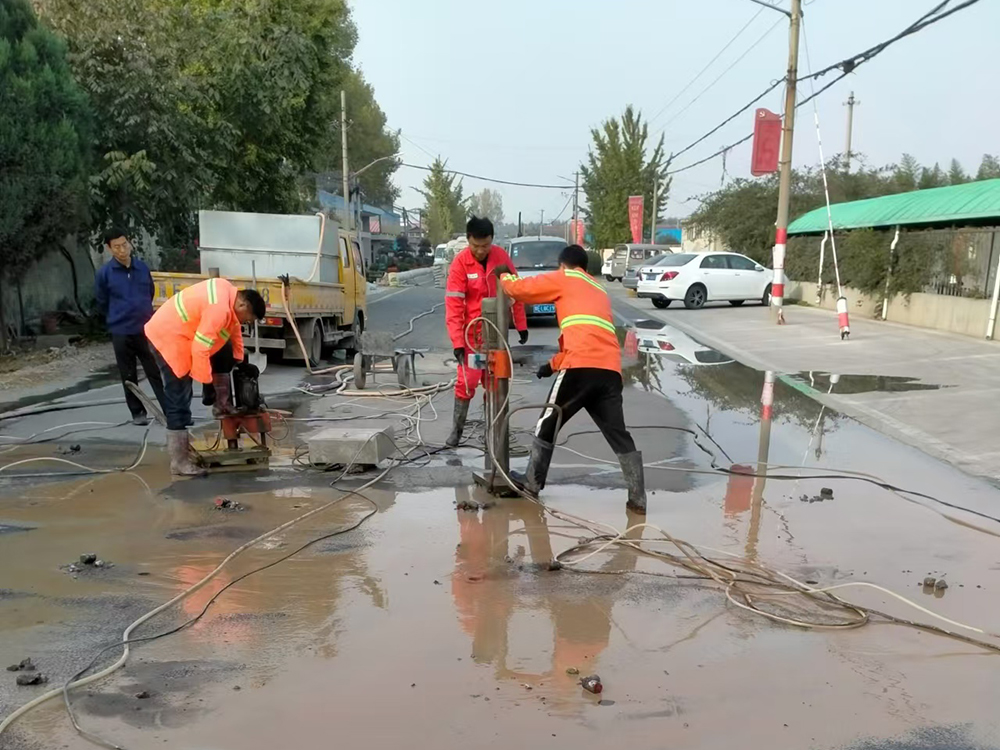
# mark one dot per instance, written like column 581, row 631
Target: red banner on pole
column 766, row 143
column 579, row 232
column 635, row 207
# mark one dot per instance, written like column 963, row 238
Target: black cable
column 567, row 186
column 726, row 46
column 848, row 65
column 197, row 617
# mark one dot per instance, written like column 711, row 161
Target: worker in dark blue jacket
column 124, row 291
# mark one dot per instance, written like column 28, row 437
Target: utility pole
column 652, row 221
column 576, row 205
column 541, row 223
column 851, row 101
column 785, row 166
column 344, row 169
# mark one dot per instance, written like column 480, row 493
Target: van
column 533, row 256
column 632, row 256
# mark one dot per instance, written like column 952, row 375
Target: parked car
column 533, row 256
column 631, row 279
column 629, row 256
column 697, row 278
column 667, row 342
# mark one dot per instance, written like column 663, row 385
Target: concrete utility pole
column 851, row 101
column 652, row 221
column 785, row 166
column 541, row 222
column 344, row 169
column 576, row 205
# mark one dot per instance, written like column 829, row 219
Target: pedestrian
column 587, row 369
column 124, row 290
column 186, row 332
column 470, row 279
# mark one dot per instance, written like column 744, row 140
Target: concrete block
column 343, row 445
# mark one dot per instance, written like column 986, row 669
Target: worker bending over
column 471, row 278
column 588, row 369
column 186, row 332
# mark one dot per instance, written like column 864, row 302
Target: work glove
column 459, row 353
column 545, row 371
column 502, row 269
column 522, row 336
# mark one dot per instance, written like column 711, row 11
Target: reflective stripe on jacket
column 193, row 325
column 468, row 284
column 586, row 329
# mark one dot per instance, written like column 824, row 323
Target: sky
column 511, row 89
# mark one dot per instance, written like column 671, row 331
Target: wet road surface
column 441, row 626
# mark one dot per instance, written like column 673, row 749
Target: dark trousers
column 178, row 390
column 600, row 393
column 130, row 349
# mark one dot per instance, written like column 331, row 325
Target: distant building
column 698, row 239
column 379, row 227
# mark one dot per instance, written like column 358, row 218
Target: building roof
column 971, row 203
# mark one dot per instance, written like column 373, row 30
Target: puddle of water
column 849, row 384
column 97, row 379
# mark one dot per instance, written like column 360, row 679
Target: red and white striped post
column 842, row 318
column 778, row 283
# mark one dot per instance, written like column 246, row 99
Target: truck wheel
column 316, row 344
column 353, row 342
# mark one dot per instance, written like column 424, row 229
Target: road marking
column 387, row 296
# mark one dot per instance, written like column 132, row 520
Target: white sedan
column 697, row 278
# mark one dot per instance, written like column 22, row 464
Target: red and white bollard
column 778, row 284
column 767, row 396
column 842, row 318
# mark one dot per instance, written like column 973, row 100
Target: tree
column 489, row 204
column 444, row 206
column 956, row 175
column 932, row 178
column 989, row 168
column 618, row 166
column 907, row 172
column 369, row 138
column 44, row 139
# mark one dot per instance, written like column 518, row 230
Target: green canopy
column 971, row 203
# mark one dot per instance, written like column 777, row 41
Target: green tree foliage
column 956, row 175
column 369, row 138
column 932, row 177
column 989, row 168
column 44, row 138
column 444, row 206
column 487, row 203
column 619, row 165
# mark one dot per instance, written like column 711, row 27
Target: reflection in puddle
column 846, row 384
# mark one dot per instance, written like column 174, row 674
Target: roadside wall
column 48, row 285
column 962, row 315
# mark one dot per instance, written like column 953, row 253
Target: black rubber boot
column 533, row 479
column 223, row 387
column 635, row 480
column 458, row 422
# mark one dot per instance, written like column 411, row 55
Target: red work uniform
column 469, row 281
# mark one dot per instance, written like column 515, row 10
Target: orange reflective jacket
column 193, row 325
column 587, row 332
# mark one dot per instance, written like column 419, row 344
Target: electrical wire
column 567, row 186
column 82, row 469
column 846, row 66
column 718, row 54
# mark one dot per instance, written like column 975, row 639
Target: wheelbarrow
column 375, row 347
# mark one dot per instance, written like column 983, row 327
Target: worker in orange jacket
column 472, row 278
column 186, row 332
column 588, row 369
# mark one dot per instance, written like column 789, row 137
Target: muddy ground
column 443, row 627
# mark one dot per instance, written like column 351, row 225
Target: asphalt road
column 441, row 620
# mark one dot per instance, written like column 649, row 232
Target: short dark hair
column 113, row 233
column 574, row 256
column 479, row 228
column 257, row 303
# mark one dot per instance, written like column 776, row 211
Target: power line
column 709, row 65
column 846, row 67
column 722, row 74
column 490, row 179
